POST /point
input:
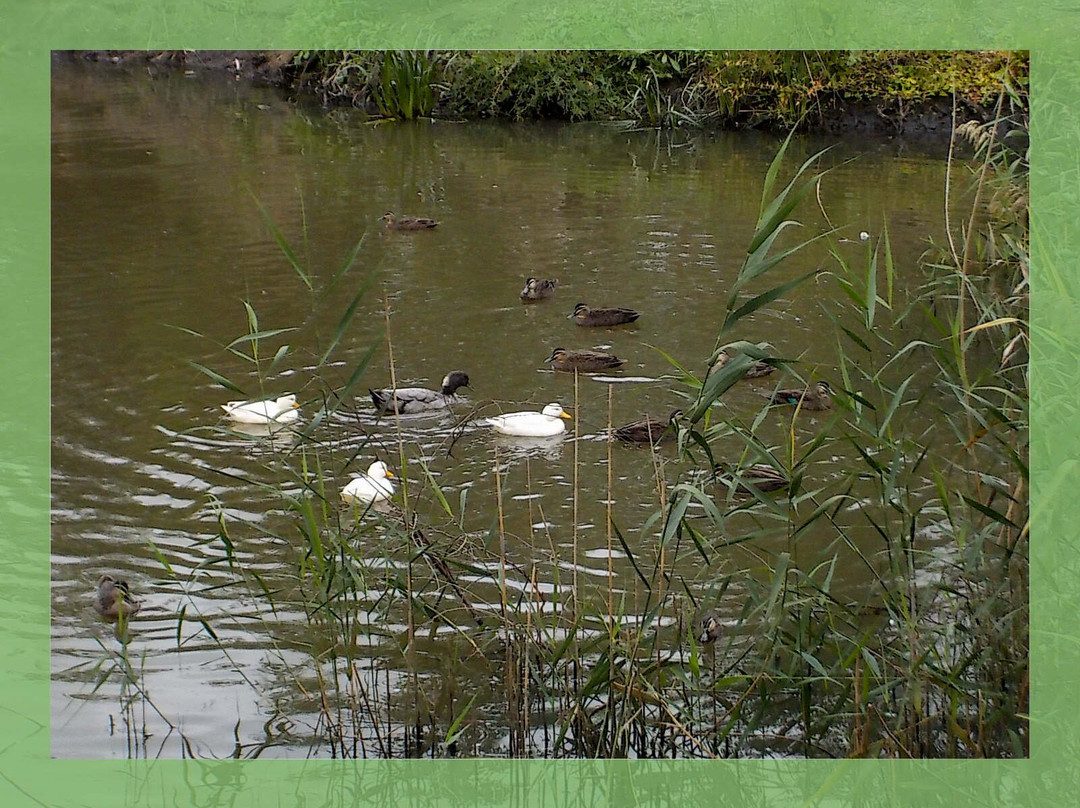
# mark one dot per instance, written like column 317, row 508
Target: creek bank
column 889, row 116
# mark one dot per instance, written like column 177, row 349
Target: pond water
column 157, row 233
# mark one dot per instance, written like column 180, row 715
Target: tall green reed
column 928, row 658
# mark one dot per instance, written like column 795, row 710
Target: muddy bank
column 885, row 116
column 266, row 67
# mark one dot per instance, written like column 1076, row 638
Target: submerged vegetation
column 875, row 89
column 754, row 653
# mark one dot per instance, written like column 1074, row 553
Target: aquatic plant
column 427, row 632
column 662, row 88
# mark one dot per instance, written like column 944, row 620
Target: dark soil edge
column 932, row 119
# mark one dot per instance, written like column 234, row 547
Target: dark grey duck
column 407, row 400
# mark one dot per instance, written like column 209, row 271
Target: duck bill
column 565, row 415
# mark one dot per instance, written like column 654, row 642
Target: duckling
column 406, row 400
column 583, row 361
column 406, row 222
column 542, row 424
column 538, row 288
column 373, row 486
column 113, row 599
column 649, row 430
column 815, row 398
column 583, row 315
column 761, row 476
column 755, row 371
column 280, row 411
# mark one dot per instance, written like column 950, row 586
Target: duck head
column 555, row 410
column 453, row 380
column 379, row 470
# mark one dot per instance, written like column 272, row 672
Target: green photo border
column 32, row 29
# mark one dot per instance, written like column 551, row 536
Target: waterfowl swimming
column 761, row 476
column 373, row 486
column 583, row 315
column 814, row 398
column 538, row 288
column 583, row 361
column 649, row 430
column 531, row 424
column 755, row 371
column 406, row 222
column 280, row 411
column 708, row 627
column 407, row 400
column 113, row 599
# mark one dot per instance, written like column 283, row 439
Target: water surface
column 157, row 233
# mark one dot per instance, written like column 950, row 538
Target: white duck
column 531, row 424
column 372, row 486
column 280, row 411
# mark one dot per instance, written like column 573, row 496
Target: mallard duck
column 761, row 476
column 649, row 430
column 708, row 627
column 755, row 371
column 542, row 424
column 279, row 411
column 113, row 599
column 406, row 222
column 583, row 315
column 407, row 400
column 814, row 398
column 372, row 486
column 583, row 361
column 538, row 288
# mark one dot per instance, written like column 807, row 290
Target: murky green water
column 156, row 228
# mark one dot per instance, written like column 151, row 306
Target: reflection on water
column 156, row 243
column 511, row 448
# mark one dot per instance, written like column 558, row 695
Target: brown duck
column 708, row 627
column 538, row 288
column 583, row 315
column 817, row 397
column 583, row 361
column 406, row 222
column 761, row 476
column 755, row 371
column 649, row 430
column 113, row 599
